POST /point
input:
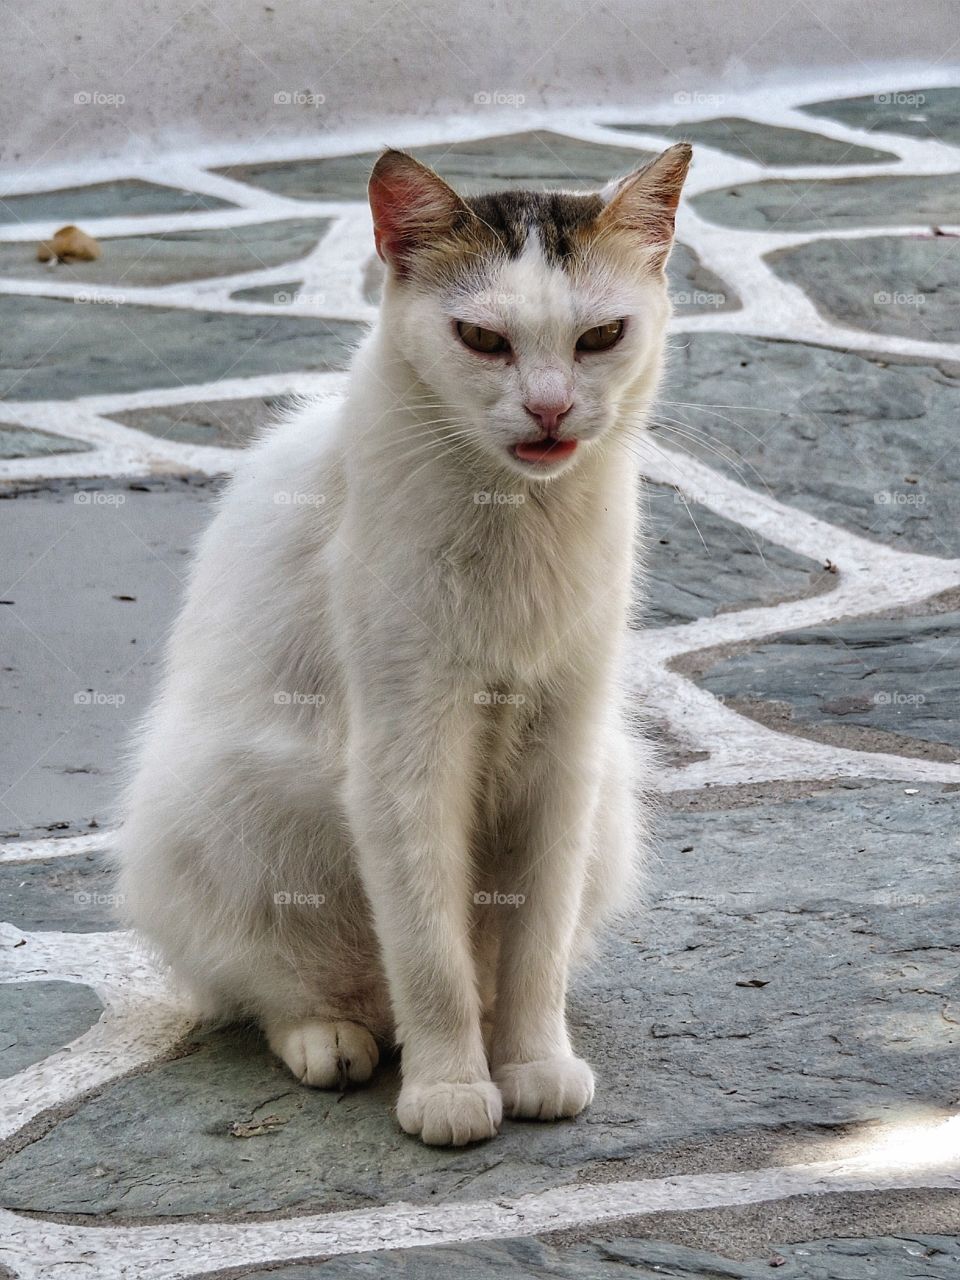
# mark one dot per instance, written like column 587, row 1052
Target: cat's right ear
column 411, row 205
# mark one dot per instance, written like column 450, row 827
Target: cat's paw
column 450, row 1115
column 325, row 1055
column 548, row 1089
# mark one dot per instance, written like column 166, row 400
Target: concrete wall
column 105, row 78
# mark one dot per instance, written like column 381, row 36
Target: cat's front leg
column 410, row 765
column 532, row 1060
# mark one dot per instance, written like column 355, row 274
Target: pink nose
column 549, row 413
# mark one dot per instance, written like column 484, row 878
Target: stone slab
column 781, row 204
column 98, row 349
column 123, row 199
column 623, row 1258
column 539, row 158
column 223, row 423
column 883, row 684
column 866, row 442
column 24, row 442
column 699, row 564
column 173, row 257
column 915, row 113
column 81, row 664
column 766, row 144
column 813, row 990
column 906, row 286
column 38, row 1018
column 73, row 895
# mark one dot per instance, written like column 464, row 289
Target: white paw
column 545, row 1090
column 450, row 1115
column 326, row 1055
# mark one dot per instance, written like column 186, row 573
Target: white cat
column 385, row 794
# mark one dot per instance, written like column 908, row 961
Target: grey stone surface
column 74, row 894
column 98, row 349
column 885, row 284
column 623, row 1258
column 536, row 159
column 916, row 113
column 779, row 204
column 765, row 143
column 698, row 564
column 864, row 441
column 694, row 288
column 173, row 257
column 122, row 199
column 79, row 663
column 897, row 680
column 23, row 442
column 37, row 1018
column 224, row 423
column 814, row 988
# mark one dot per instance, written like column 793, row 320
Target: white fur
column 386, row 787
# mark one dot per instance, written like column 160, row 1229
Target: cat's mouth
column 540, row 452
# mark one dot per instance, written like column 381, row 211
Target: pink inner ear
column 397, row 204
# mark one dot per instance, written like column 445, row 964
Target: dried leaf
column 69, row 244
column 256, row 1128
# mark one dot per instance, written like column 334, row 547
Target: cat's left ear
column 411, row 206
column 644, row 204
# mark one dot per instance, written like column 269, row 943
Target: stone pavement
column 776, row 1034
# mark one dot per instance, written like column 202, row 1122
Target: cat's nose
column 549, row 413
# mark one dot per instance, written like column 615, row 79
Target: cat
column 386, row 795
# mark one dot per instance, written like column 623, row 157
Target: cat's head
column 535, row 318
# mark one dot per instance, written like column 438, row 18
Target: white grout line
column 38, row 1250
column 54, row 847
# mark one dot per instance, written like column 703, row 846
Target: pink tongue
column 545, row 450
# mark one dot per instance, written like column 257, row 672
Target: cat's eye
column 601, row 336
column 484, row 340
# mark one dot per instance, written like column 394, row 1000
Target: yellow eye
column 601, row 337
column 485, row 340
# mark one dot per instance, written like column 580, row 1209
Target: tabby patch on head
column 424, row 230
